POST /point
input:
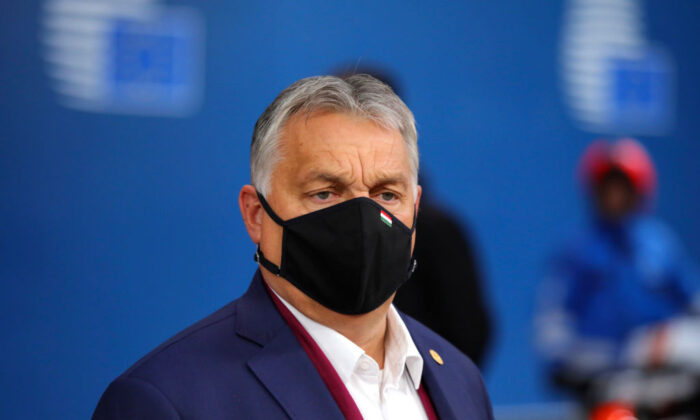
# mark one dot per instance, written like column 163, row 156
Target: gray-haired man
column 331, row 208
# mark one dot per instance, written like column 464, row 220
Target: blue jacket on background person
column 611, row 293
column 608, row 282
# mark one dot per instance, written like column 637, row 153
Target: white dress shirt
column 389, row 393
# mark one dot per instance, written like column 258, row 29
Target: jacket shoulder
column 201, row 372
column 216, row 325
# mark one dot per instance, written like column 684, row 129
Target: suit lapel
column 282, row 365
column 287, row 372
column 440, row 391
column 446, row 390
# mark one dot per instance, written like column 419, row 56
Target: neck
column 367, row 331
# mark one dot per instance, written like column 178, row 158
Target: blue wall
column 118, row 231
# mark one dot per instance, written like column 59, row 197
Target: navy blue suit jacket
column 244, row 362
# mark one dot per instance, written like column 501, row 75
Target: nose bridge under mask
column 281, row 222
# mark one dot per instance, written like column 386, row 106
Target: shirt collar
column 400, row 351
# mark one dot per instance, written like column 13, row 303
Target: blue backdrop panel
column 117, row 231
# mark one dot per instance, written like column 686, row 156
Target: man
column 622, row 295
column 331, row 209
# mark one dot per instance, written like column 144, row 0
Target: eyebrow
column 326, row 176
column 381, row 181
column 339, row 180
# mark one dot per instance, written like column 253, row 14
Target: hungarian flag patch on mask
column 385, row 218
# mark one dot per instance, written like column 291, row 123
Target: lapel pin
column 436, row 357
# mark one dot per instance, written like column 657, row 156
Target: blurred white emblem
column 614, row 80
column 124, row 56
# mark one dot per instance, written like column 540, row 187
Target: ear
column 419, row 192
column 252, row 212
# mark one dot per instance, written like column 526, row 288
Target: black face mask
column 349, row 257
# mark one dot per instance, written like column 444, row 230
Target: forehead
column 340, row 142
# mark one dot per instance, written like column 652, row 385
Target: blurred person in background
column 448, row 298
column 622, row 299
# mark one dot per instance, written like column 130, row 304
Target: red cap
column 626, row 155
column 613, row 411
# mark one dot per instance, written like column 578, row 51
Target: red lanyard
column 324, row 367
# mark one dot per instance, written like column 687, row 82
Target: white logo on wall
column 615, row 81
column 124, row 56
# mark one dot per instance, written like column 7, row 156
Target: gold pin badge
column 436, row 357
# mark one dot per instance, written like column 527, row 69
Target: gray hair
column 358, row 94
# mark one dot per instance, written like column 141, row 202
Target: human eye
column 323, row 195
column 388, row 196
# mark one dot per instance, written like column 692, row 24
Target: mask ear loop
column 259, row 257
column 412, row 267
column 269, row 210
column 415, row 217
column 414, row 262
